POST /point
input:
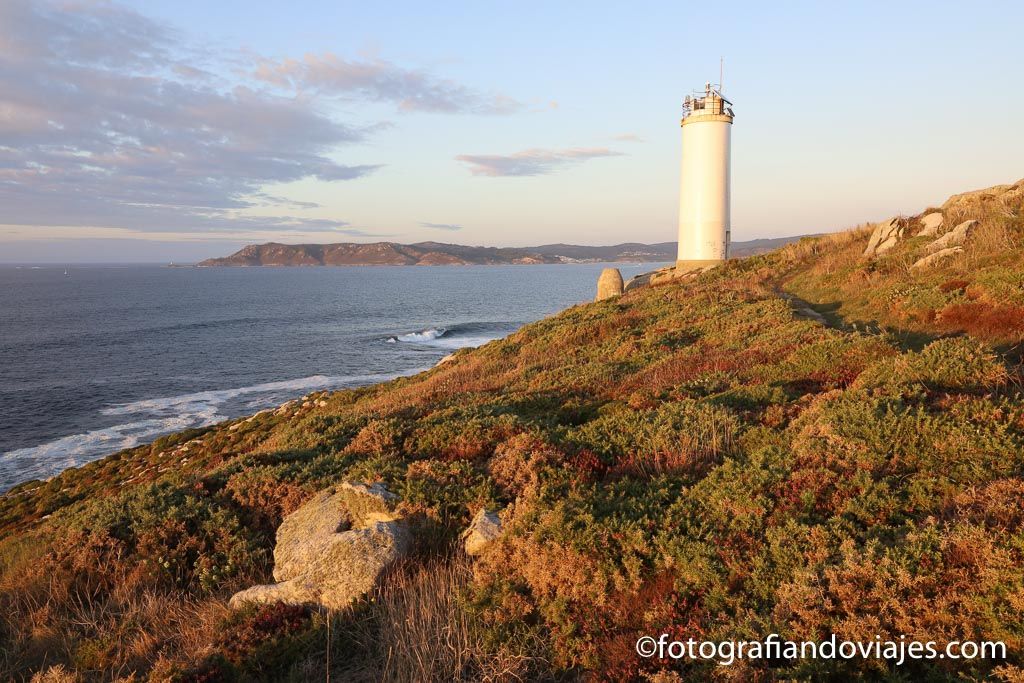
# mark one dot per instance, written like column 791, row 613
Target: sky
column 156, row 131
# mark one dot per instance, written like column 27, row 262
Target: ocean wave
column 427, row 335
column 158, row 416
column 465, row 335
column 48, row 459
column 187, row 402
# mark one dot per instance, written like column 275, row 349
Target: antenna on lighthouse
column 721, row 75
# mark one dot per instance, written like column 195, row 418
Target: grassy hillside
column 705, row 458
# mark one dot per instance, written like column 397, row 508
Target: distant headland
column 440, row 254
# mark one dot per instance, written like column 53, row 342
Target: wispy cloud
column 383, row 81
column 441, row 226
column 103, row 121
column 257, row 232
column 264, row 199
column 531, row 162
column 628, row 137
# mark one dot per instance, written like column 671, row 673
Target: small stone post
column 609, row 284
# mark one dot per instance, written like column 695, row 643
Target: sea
column 97, row 358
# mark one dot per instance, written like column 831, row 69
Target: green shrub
column 951, row 363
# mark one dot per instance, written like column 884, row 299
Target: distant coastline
column 441, row 254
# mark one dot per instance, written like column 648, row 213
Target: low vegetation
column 704, row 459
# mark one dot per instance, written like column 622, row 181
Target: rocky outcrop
column 334, row 548
column 954, row 238
column 987, row 195
column 933, row 259
column 484, row 529
column 638, row 281
column 663, row 275
column 885, row 236
column 930, row 224
column 609, row 284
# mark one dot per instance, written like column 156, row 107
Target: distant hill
column 438, row 253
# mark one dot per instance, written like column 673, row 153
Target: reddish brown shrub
column 999, row 504
column 518, row 462
column 614, row 627
column 954, row 285
column 688, row 364
column 266, row 624
column 268, row 499
column 995, row 322
column 589, row 464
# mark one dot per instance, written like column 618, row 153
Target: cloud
column 382, row 81
column 104, row 122
column 441, row 226
column 257, row 232
column 531, row 162
column 264, row 199
column 628, row 137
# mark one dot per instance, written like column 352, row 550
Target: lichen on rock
column 334, row 549
column 933, row 259
column 954, row 238
column 930, row 224
column 485, row 528
column 884, row 237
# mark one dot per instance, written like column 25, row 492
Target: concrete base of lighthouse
column 696, row 264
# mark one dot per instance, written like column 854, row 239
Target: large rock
column 334, row 548
column 932, row 259
column 484, row 528
column 305, row 534
column 609, row 284
column 663, row 275
column 930, row 224
column 349, row 566
column 368, row 504
column 638, row 281
column 976, row 198
column 954, row 238
column 885, row 236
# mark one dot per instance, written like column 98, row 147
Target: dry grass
column 48, row 619
column 56, row 674
column 992, row 236
column 825, row 245
column 419, row 629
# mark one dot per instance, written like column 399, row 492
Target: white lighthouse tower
column 704, row 185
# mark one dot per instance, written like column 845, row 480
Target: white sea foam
column 48, row 459
column 443, row 338
column 427, row 335
column 462, row 342
column 185, row 402
column 158, row 416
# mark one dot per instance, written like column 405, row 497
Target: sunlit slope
column 705, row 458
column 978, row 291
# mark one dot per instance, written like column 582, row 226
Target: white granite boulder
column 484, row 529
column 334, row 548
column 933, row 259
column 954, row 238
column 885, row 236
column 930, row 224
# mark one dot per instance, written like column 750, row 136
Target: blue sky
column 155, row 131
